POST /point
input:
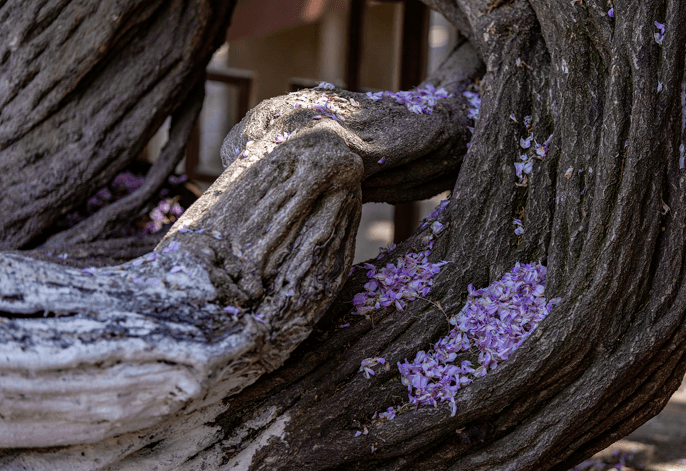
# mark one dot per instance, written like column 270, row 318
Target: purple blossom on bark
column 495, row 321
column 325, row 86
column 660, row 35
column 172, row 247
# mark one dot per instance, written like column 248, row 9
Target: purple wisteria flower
column 525, row 143
column 283, row 137
column 418, row 101
column 519, row 229
column 474, row 100
column 128, row 181
column 611, row 12
column 660, row 35
column 494, row 322
column 172, row 247
column 388, row 415
column 232, row 310
column 382, row 161
column 368, row 363
column 383, row 251
column 325, row 86
column 396, row 283
column 435, row 213
column 174, row 180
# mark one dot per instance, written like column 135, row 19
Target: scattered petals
column 525, row 143
column 495, row 321
column 232, row 310
column 172, row 247
column 611, row 12
column 569, row 172
column 660, row 35
column 177, row 268
column 382, row 161
column 325, row 86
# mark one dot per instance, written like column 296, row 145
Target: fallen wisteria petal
column 496, row 320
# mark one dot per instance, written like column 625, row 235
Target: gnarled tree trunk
column 187, row 359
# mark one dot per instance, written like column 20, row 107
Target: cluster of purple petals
column 435, row 213
column 494, row 322
column 325, row 86
column 128, row 181
column 410, row 277
column 618, row 460
column 166, row 211
column 525, row 165
column 474, row 100
column 383, row 251
column 406, row 280
column 519, row 227
column 368, row 363
column 327, row 106
column 419, row 100
column 660, row 35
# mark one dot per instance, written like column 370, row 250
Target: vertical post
column 412, row 71
column 354, row 52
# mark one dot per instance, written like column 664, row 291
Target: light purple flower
column 232, row 310
column 325, row 86
column 382, row 161
column 283, row 137
column 177, row 268
column 660, row 35
column 525, row 143
column 519, row 168
column 494, row 321
column 611, row 12
column 172, row 247
column 436, row 227
column 174, row 180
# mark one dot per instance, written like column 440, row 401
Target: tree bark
column 84, row 87
column 605, row 210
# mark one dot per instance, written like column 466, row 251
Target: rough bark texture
column 83, row 87
column 611, row 231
